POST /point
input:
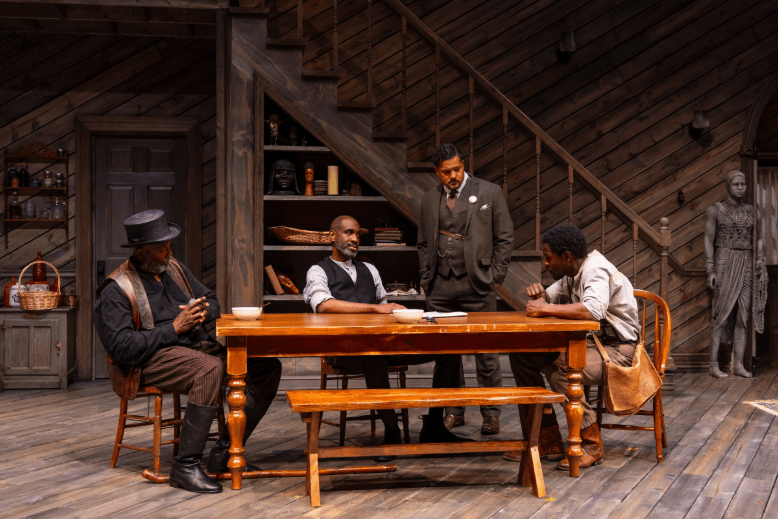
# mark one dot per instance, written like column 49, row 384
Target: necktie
column 452, row 199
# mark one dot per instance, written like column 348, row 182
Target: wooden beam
column 106, row 13
column 180, row 4
column 108, row 27
column 223, row 60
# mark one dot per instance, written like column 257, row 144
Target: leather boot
column 591, row 443
column 550, row 445
column 186, row 472
column 433, row 430
column 255, row 409
column 391, row 437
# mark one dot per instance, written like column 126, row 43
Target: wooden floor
column 55, row 447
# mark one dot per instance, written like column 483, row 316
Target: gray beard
column 345, row 251
column 152, row 267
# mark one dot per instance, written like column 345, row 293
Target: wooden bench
column 311, row 405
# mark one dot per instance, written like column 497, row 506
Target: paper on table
column 438, row 315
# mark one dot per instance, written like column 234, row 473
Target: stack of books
column 388, row 237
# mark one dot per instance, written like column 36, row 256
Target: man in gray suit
column 465, row 241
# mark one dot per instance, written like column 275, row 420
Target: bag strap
column 602, row 350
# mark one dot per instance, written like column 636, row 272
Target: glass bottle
column 12, row 174
column 28, row 209
column 59, row 179
column 59, row 209
column 15, row 211
column 48, row 179
column 24, row 176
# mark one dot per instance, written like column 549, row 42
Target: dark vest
column 455, row 221
column 343, row 289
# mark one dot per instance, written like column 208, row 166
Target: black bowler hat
column 149, row 227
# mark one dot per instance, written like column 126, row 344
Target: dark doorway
column 133, row 174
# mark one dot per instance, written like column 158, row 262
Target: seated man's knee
column 208, row 381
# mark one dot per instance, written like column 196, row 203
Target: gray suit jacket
column 488, row 235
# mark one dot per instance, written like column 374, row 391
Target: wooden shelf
column 27, row 220
column 326, row 248
column 30, row 191
column 297, row 149
column 323, row 198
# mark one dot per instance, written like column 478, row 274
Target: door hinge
column 4, row 327
column 58, row 346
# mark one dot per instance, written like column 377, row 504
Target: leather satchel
column 627, row 389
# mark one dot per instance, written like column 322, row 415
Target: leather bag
column 627, row 389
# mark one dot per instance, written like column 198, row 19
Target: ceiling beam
column 93, row 13
column 113, row 28
column 178, row 4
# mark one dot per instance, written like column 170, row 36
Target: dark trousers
column 375, row 369
column 198, row 370
column 455, row 294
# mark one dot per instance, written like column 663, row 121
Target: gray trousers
column 529, row 368
column 455, row 294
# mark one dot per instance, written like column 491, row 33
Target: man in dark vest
column 465, row 240
column 149, row 315
column 341, row 284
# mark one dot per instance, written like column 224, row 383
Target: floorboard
column 55, row 446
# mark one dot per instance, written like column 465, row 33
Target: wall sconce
column 698, row 125
column 566, row 47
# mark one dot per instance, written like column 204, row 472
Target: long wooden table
column 317, row 335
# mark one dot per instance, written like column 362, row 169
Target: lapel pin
column 473, row 199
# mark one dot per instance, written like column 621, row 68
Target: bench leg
column 312, row 466
column 531, row 471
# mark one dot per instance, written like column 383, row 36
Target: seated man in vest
column 149, row 315
column 587, row 287
column 341, row 284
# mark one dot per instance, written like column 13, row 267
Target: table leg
column 236, row 420
column 576, row 361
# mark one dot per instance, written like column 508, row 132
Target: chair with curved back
column 661, row 349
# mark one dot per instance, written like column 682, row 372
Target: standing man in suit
column 465, row 240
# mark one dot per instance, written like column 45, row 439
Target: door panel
column 133, row 175
column 29, row 349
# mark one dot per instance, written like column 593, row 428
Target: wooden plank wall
column 621, row 106
column 50, row 79
column 767, row 130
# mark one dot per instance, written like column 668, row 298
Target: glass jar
column 59, row 179
column 48, row 179
column 58, row 209
column 15, row 211
column 28, row 209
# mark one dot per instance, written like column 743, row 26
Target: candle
column 332, row 180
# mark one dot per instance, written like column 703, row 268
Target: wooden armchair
column 661, row 348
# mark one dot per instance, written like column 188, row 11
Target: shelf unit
column 35, row 153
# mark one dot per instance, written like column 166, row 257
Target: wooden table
column 316, row 335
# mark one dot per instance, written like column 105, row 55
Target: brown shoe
column 453, row 420
column 550, row 445
column 490, row 425
column 591, row 443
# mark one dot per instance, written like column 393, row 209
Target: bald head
column 337, row 223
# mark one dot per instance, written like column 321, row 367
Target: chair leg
column 372, row 422
column 658, row 429
column 343, row 416
column 157, row 450
column 312, row 467
column 662, row 419
column 119, row 431
column 220, row 416
column 176, row 416
column 600, row 390
column 404, row 413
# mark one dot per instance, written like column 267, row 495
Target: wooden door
column 131, row 175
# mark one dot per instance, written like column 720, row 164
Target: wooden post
column 223, row 156
column 634, row 255
column 335, row 62
column 664, row 247
column 603, row 208
column 370, row 52
column 505, row 152
column 471, row 87
column 300, row 19
column 570, row 179
column 538, row 245
column 437, row 97
column 404, row 74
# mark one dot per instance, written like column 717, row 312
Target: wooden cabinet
column 38, row 348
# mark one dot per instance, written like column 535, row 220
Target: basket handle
column 19, row 282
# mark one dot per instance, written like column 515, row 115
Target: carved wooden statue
column 273, row 124
column 282, row 176
column 728, row 244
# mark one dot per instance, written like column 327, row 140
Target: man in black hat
column 149, row 315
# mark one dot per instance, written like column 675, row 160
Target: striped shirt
column 604, row 291
column 317, row 289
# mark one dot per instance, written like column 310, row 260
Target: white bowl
column 246, row 313
column 408, row 316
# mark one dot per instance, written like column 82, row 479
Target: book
column 271, row 275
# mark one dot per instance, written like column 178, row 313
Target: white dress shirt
column 317, row 289
column 604, row 291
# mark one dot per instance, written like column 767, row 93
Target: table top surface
column 382, row 324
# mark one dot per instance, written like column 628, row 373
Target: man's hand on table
column 190, row 316
column 387, row 308
column 536, row 291
column 536, row 307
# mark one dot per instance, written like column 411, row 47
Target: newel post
column 664, row 289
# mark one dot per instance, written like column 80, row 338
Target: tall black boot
column 255, row 409
column 433, row 430
column 186, row 472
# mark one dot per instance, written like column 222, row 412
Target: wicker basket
column 38, row 300
column 292, row 235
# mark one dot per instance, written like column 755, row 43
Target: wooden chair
column 158, row 423
column 661, row 348
column 344, row 375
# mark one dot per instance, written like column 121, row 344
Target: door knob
column 4, row 327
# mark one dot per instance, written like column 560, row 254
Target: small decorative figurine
column 282, row 175
column 273, row 123
column 294, row 134
column 303, row 141
column 309, row 178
